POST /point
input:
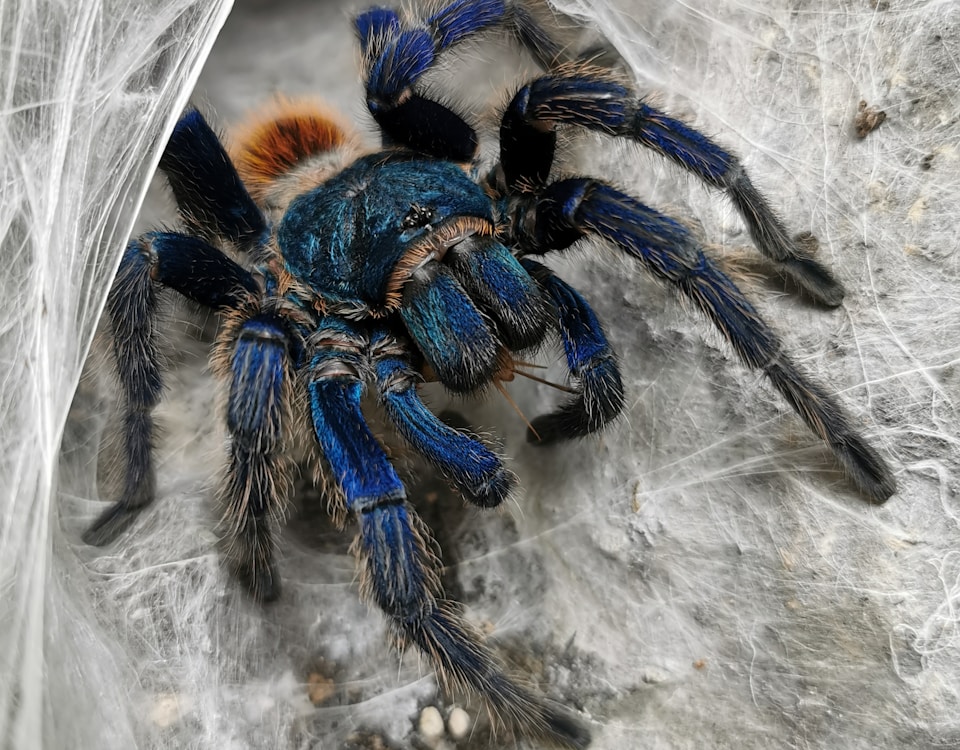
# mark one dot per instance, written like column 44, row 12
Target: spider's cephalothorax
column 350, row 272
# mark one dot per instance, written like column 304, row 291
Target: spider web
column 88, row 91
column 699, row 576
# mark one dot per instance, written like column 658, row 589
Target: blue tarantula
column 335, row 272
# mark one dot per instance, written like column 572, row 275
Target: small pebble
column 319, row 688
column 458, row 723
column 431, row 723
column 166, row 710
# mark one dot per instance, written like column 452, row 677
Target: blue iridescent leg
column 395, row 59
column 597, row 101
column 456, row 21
column 399, row 566
column 476, row 470
column 584, row 206
column 256, row 361
column 156, row 260
column 590, row 360
column 211, row 197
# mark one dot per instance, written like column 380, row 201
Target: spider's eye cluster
column 418, row 216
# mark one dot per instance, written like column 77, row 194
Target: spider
column 338, row 272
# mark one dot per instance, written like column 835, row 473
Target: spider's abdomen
column 288, row 147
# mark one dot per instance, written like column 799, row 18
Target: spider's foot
column 867, row 470
column 815, row 280
column 118, row 517
column 566, row 424
column 599, row 402
column 111, row 523
column 261, row 579
column 494, row 491
column 462, row 658
column 826, row 419
column 810, row 275
column 249, row 551
column 565, row 729
column 548, row 429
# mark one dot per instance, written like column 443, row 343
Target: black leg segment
column 590, row 360
column 132, row 309
column 595, row 100
column 395, row 60
column 210, row 195
column 156, row 260
column 670, row 253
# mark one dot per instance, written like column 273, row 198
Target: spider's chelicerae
column 336, row 272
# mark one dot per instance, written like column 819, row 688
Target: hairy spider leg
column 464, row 460
column 463, row 18
column 396, row 57
column 588, row 206
column 198, row 271
column 456, row 21
column 590, row 98
column 210, row 195
column 255, row 358
column 400, row 569
column 591, row 361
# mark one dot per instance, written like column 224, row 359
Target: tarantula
column 336, row 271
